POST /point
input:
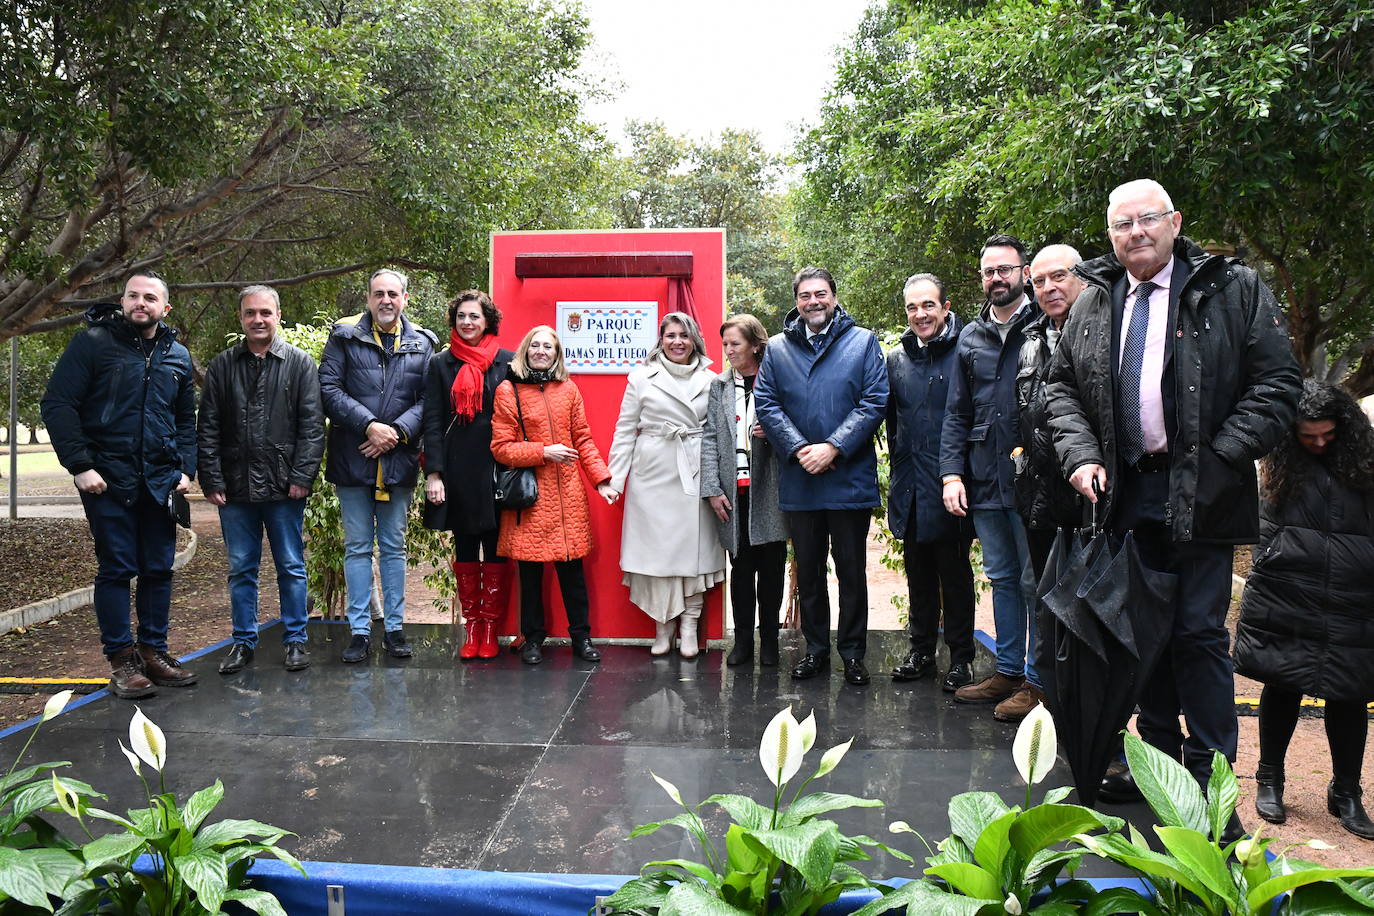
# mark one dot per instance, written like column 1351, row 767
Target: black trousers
column 756, row 574
column 1194, row 677
column 572, row 580
column 939, row 574
column 843, row 534
column 466, row 547
column 1347, row 728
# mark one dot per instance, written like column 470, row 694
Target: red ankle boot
column 469, row 580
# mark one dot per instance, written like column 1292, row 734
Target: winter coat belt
column 688, row 457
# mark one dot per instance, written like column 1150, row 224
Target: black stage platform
column 500, row 766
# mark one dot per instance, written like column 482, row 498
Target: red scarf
column 468, row 383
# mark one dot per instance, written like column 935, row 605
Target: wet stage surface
column 505, row 767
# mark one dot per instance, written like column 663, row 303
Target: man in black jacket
column 261, row 441
column 121, row 410
column 1173, row 376
column 372, row 380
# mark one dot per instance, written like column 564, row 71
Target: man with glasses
column 978, row 472
column 1175, row 374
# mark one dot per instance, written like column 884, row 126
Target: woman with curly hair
column 1306, row 625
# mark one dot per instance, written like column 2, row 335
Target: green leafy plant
column 1196, row 873
column 36, row 860
column 782, row 859
column 998, row 858
column 195, row 866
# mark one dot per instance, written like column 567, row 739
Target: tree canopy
column 951, row 121
column 285, row 141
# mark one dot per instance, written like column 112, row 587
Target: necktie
column 817, row 342
column 1128, row 389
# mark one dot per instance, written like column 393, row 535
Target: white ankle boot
column 663, row 637
column 687, row 638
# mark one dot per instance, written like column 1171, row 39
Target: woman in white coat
column 670, row 552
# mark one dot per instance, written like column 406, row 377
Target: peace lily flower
column 66, row 798
column 899, row 827
column 147, row 740
column 1012, row 905
column 668, row 787
column 56, row 703
column 1034, row 748
column 785, row 742
column 133, row 761
column 832, row 757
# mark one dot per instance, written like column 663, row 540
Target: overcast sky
column 708, row 65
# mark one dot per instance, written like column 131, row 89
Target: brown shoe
column 993, row 689
column 127, row 679
column 1017, row 706
column 164, row 670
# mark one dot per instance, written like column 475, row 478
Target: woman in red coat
column 555, row 441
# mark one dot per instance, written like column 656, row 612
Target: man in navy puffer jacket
column 820, row 396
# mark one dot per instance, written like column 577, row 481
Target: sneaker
column 358, row 649
column 993, row 689
column 1017, row 706
column 297, row 659
column 395, row 643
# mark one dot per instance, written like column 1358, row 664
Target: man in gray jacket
column 261, row 433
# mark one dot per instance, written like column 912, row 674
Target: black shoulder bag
column 514, row 488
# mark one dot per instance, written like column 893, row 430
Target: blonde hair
column 520, row 367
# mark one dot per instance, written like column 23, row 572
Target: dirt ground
column 69, row 646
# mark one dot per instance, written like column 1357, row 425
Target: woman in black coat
column 1307, row 625
column 460, row 391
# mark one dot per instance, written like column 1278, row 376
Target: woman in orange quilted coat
column 555, row 441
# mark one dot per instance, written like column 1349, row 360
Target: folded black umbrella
column 1104, row 618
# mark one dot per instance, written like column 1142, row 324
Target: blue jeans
column 366, row 519
column 1006, row 561
column 138, row 540
column 243, row 524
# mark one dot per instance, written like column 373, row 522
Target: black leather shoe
column 1345, row 803
column 1118, row 786
column 914, row 667
column 395, row 643
column 742, row 652
column 1234, row 830
column 960, row 675
column 358, row 649
column 854, row 672
column 584, row 650
column 531, row 653
column 235, row 659
column 1269, row 794
column 810, row 666
column 297, row 659
column 768, row 650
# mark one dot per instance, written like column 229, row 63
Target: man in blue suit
column 820, row 396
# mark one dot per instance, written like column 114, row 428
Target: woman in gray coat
column 739, row 478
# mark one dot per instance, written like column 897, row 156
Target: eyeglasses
column 1004, row 271
column 1145, row 221
column 1059, row 276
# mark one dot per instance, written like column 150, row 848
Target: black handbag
column 514, row 488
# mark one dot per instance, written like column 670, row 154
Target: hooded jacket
column 122, row 408
column 838, row 396
column 261, row 429
column 1230, row 383
column 360, row 382
column 919, row 380
column 981, row 425
column 1306, row 623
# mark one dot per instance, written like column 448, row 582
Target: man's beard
column 1003, row 298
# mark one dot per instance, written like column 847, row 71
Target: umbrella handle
column 1097, row 491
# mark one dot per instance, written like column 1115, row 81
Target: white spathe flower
column 66, row 798
column 1034, row 748
column 1012, row 905
column 785, row 742
column 133, row 760
column 56, row 703
column 899, row 827
column 1319, row 844
column 147, row 740
column 832, row 758
column 668, row 787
